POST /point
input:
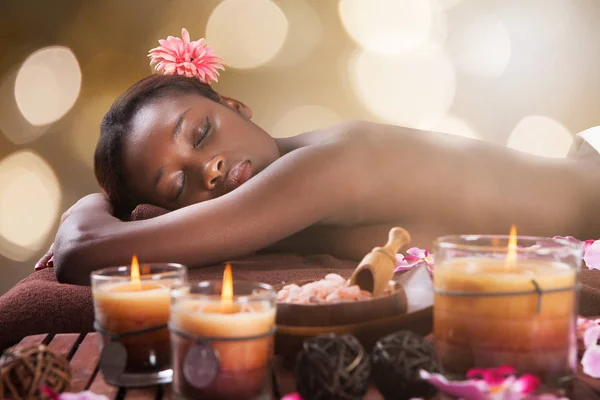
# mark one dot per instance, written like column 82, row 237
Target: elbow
column 68, row 266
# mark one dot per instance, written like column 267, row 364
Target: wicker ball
column 396, row 360
column 333, row 368
column 24, row 370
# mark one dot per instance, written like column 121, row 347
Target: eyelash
column 203, row 134
column 181, row 186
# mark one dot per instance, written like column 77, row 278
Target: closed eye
column 181, row 186
column 203, row 133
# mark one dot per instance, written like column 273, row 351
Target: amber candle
column 133, row 309
column 506, row 306
column 235, row 333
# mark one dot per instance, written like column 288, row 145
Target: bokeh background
column 521, row 73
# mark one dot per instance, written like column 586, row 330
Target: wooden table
column 83, row 353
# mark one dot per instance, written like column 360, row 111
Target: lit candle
column 222, row 342
column 515, row 310
column 133, row 309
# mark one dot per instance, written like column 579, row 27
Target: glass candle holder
column 222, row 349
column 132, row 316
column 500, row 303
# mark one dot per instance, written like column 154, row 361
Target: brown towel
column 39, row 304
column 146, row 211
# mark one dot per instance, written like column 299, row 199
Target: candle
column 235, row 327
column 516, row 310
column 133, row 310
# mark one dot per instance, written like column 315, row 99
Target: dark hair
column 116, row 124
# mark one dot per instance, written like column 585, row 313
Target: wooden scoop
column 376, row 269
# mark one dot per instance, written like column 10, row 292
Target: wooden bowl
column 368, row 320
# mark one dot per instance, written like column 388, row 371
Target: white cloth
column 586, row 142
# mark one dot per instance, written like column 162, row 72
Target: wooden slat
column 64, row 344
column 167, row 392
column 84, row 362
column 99, row 386
column 34, row 339
column 146, row 393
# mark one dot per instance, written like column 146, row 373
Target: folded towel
column 39, row 304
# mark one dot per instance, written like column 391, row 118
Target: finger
column 43, row 263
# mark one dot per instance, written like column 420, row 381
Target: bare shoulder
column 344, row 132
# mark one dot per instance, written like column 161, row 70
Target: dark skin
column 337, row 191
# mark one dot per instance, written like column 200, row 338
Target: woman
column 173, row 142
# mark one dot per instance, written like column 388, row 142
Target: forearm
column 284, row 199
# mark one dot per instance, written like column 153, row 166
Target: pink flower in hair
column 179, row 56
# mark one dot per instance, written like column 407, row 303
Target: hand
column 47, row 260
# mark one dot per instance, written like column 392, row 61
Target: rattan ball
column 396, row 360
column 333, row 368
column 24, row 370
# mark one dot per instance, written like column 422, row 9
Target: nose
column 213, row 170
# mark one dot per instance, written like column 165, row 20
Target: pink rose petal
column 591, row 335
column 592, row 255
column 591, row 362
column 526, row 384
column 472, row 390
column 292, row 396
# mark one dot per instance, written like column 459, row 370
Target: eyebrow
column 176, row 131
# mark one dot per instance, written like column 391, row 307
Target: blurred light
column 439, row 25
column 85, row 129
column 447, row 4
column 48, row 85
column 408, row 89
column 304, row 119
column 540, row 135
column 246, row 33
column 452, row 125
column 479, row 44
column 387, row 26
column 12, row 123
column 304, row 33
column 539, row 22
column 29, row 204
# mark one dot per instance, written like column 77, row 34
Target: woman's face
column 187, row 149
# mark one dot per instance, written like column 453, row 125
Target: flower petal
column 185, row 35
column 416, row 252
column 87, row 395
column 592, row 255
column 591, row 362
column 591, row 336
column 472, row 390
column 526, row 384
column 292, row 396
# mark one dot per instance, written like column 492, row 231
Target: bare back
column 436, row 184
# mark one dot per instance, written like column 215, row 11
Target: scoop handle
column 377, row 267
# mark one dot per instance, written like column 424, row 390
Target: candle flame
column 511, row 256
column 135, row 270
column 227, row 290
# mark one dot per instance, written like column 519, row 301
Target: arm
column 302, row 188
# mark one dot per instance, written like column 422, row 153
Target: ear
column 237, row 106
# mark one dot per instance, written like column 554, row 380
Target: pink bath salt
column 333, row 298
column 335, row 278
column 350, row 293
column 282, row 295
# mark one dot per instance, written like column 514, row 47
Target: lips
column 238, row 175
